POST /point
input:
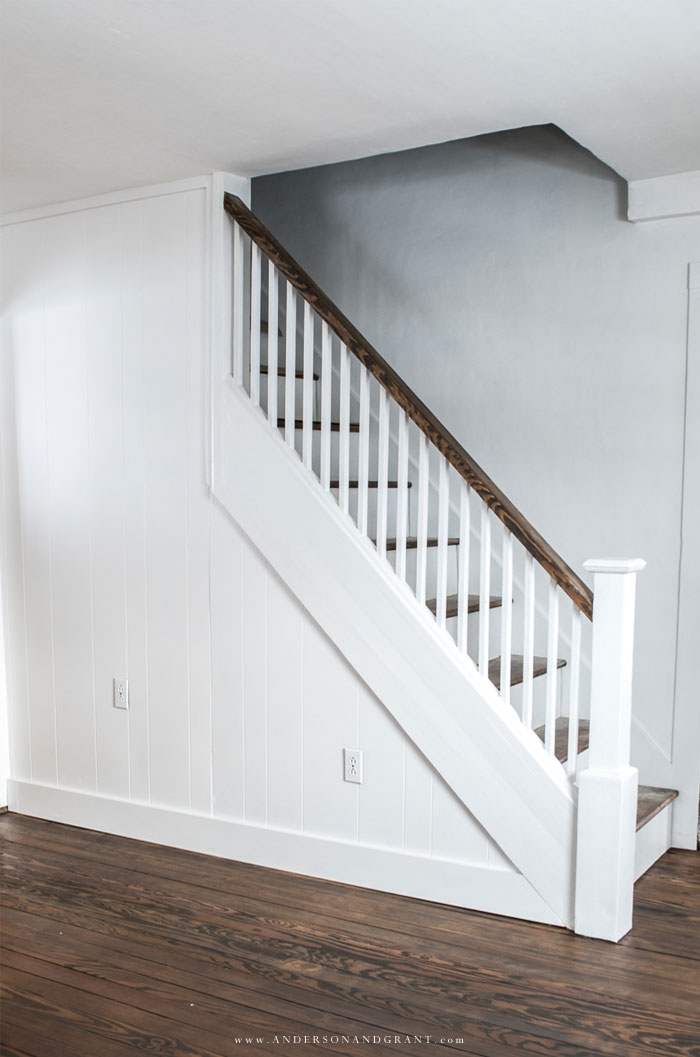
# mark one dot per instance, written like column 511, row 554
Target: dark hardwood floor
column 113, row 947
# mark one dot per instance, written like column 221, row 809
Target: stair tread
column 561, row 737
column 282, row 372
column 472, row 606
column 412, row 545
column 265, row 328
column 354, row 427
column 517, row 664
column 370, row 484
column 651, row 800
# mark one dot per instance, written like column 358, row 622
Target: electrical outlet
column 352, row 765
column 121, row 693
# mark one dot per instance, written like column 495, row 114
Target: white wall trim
column 4, row 687
column 686, row 722
column 472, row 887
column 219, row 286
column 128, row 194
column 662, row 197
column 653, row 840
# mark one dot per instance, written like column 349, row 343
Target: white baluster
column 550, row 719
column 344, row 439
column 463, row 567
column 382, row 470
column 307, row 436
column 484, row 591
column 363, row 452
column 272, row 346
column 255, row 326
column 326, row 382
column 422, row 526
column 528, row 640
column 574, row 689
column 238, row 288
column 290, row 364
column 506, row 614
column 443, row 524
column 402, row 497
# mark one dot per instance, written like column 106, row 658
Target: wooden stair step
column 265, row 328
column 354, row 427
column 650, row 800
column 473, row 604
column 539, row 667
column 371, row 484
column 412, row 545
column 282, row 372
column 561, row 737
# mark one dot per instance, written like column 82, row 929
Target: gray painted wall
column 500, row 277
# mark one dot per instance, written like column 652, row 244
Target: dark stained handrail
column 480, row 482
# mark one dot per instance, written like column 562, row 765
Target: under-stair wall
column 117, row 562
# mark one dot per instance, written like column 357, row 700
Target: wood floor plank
column 39, row 1037
column 113, row 1021
column 182, row 995
column 324, row 994
column 112, row 939
column 498, row 951
column 490, row 1008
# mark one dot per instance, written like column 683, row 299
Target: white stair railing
column 502, row 595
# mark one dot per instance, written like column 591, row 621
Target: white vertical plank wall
column 165, row 455
column 126, row 568
column 33, row 536
column 67, row 371
column 106, row 482
column 134, row 301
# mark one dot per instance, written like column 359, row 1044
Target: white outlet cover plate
column 121, row 693
column 352, row 765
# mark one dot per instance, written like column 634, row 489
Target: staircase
column 474, row 633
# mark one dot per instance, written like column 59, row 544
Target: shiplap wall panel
column 198, row 512
column 165, row 451
column 254, row 602
column 381, row 800
column 285, row 698
column 239, row 703
column 455, row 834
column 228, row 759
column 28, row 349
column 418, row 809
column 67, row 368
column 106, row 480
column 331, row 723
column 135, row 302
column 11, row 546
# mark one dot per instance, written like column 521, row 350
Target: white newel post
column 607, row 789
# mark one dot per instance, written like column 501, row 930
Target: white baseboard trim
column 685, row 840
column 652, row 841
column 471, row 887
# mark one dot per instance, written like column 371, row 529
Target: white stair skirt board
column 474, row 887
column 653, row 839
column 497, row 768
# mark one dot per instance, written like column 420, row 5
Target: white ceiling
column 105, row 94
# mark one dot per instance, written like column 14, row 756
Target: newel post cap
column 614, row 565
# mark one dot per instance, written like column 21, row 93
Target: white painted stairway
column 465, row 624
